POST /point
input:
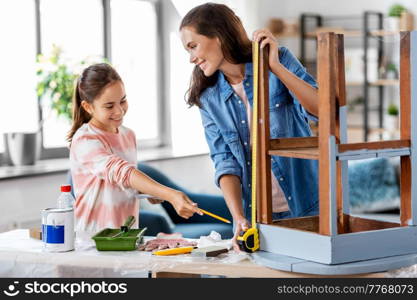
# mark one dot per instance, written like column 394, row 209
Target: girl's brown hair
column 216, row 20
column 89, row 86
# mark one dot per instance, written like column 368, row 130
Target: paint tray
column 123, row 239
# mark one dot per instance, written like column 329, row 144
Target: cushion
column 373, row 185
column 154, row 222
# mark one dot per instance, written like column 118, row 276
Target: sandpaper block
column 209, row 251
column 35, row 233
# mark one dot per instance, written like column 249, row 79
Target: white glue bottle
column 65, row 200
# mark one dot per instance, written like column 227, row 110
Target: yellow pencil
column 215, row 216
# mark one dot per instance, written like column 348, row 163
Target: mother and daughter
column 103, row 152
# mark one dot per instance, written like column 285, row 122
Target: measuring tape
column 249, row 240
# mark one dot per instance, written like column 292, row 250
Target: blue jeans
column 281, row 215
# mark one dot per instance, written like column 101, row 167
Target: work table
column 22, row 256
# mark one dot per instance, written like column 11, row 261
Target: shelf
column 351, row 33
column 346, row 33
column 374, row 130
column 382, row 33
column 287, row 35
column 385, row 82
column 379, row 82
column 361, row 30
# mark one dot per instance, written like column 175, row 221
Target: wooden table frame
column 334, row 236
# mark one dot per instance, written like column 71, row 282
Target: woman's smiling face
column 206, row 53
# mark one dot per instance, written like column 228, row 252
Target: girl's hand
column 183, row 205
column 241, row 224
column 267, row 38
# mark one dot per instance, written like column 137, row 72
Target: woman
column 222, row 87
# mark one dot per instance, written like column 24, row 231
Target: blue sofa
column 193, row 227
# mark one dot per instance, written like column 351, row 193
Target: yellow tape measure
column 249, row 240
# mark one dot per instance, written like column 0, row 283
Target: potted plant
column 56, row 83
column 394, row 14
column 391, row 71
column 392, row 117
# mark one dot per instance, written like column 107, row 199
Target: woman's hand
column 241, row 224
column 267, row 38
column 183, row 205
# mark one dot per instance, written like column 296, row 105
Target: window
column 76, row 26
column 185, row 123
column 134, row 53
column 19, row 107
column 125, row 30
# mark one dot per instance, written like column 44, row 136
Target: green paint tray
column 123, row 239
column 126, row 242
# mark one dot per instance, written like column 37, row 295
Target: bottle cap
column 65, row 188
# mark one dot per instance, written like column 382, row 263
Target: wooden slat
column 304, row 223
column 405, row 126
column 296, row 142
column 265, row 195
column 325, row 62
column 354, row 224
column 357, row 224
column 393, row 144
column 342, row 220
column 306, row 153
column 255, row 129
column 340, row 70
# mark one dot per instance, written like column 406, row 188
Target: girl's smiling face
column 206, row 53
column 108, row 108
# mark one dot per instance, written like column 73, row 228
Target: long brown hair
column 89, row 85
column 216, row 20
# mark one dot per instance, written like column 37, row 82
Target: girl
column 103, row 156
column 221, row 87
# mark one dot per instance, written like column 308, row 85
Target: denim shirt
column 224, row 118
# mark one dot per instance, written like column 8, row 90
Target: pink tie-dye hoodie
column 101, row 163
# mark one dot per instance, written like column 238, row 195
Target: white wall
column 21, row 200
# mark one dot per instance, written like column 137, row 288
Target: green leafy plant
column 392, row 110
column 395, row 10
column 391, row 67
column 56, row 82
